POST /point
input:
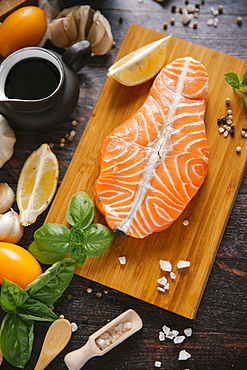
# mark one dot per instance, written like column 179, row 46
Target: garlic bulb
column 7, row 197
column 10, row 228
column 82, row 23
column 7, row 141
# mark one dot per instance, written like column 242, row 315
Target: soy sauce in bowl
column 32, row 79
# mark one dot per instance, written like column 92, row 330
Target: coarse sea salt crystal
column 128, row 325
column 170, row 335
column 188, row 332
column 162, row 336
column 184, row 355
column 74, row 327
column 166, row 329
column 167, row 286
column 179, row 339
column 161, row 289
column 165, row 265
column 122, row 260
column 210, row 22
column 157, row 364
column 172, row 275
column 182, row 264
column 221, row 130
column 175, row 332
column 162, row 281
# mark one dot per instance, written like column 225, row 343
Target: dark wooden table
column 219, row 339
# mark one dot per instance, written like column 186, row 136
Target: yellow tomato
column 24, row 27
column 17, row 265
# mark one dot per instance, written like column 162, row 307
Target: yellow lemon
column 142, row 64
column 37, row 184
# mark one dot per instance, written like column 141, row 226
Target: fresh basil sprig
column 23, row 307
column 52, row 242
column 233, row 79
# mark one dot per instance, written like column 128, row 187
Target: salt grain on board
column 184, row 355
column 161, row 289
column 172, row 275
column 122, row 260
column 74, row 326
column 188, row 332
column 165, row 265
column 170, row 335
column 162, row 281
column 182, row 264
column 175, row 333
column 179, row 339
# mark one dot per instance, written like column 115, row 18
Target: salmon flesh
column 154, row 163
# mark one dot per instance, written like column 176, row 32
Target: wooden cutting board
column 207, row 213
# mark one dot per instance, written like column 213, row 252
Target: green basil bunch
column 233, row 79
column 23, row 307
column 52, row 242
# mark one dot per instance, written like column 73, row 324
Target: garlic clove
column 83, row 12
column 7, row 141
column 105, row 44
column 97, row 30
column 51, row 9
column 7, row 197
column 58, row 35
column 70, row 27
column 89, row 20
column 10, row 228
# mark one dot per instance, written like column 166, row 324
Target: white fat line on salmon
column 188, row 135
column 158, row 154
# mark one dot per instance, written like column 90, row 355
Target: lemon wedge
column 142, row 64
column 37, row 184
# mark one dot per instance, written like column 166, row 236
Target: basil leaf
column 76, row 235
column 46, row 257
column 244, row 79
column 53, row 238
column 17, row 339
column 12, row 296
column 50, row 285
column 80, row 210
column 97, row 238
column 233, row 79
column 78, row 255
column 37, row 311
column 245, row 96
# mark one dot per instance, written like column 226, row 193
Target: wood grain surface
column 219, row 340
column 207, row 213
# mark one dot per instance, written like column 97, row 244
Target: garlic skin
column 7, row 197
column 10, row 228
column 7, row 141
column 82, row 23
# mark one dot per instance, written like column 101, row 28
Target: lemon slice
column 37, row 184
column 142, row 64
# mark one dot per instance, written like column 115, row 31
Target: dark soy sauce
column 32, row 79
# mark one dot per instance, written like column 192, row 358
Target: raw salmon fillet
column 153, row 164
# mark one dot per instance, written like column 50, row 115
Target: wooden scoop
column 95, row 345
column 57, row 337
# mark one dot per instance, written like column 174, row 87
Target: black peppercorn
column 173, row 9
column 232, row 132
column 223, row 119
column 219, row 121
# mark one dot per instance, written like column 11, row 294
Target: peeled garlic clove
column 7, row 141
column 70, row 27
column 7, row 197
column 58, row 35
column 10, row 228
